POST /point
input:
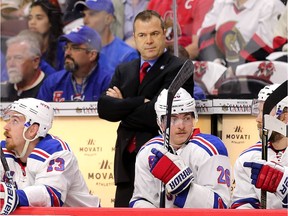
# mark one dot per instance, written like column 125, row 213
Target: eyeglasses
column 75, row 48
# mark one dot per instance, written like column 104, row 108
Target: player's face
column 182, row 126
column 13, row 131
column 38, row 20
column 149, row 38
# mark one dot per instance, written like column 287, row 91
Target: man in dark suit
column 131, row 102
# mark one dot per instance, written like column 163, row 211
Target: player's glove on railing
column 8, row 198
column 171, row 170
column 269, row 176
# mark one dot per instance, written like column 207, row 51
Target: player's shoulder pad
column 48, row 146
column 213, row 145
column 158, row 140
column 257, row 147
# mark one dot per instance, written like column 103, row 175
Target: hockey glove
column 8, row 198
column 171, row 170
column 269, row 176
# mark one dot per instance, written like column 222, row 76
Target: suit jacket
column 137, row 118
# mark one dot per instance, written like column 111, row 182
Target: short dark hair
column 146, row 15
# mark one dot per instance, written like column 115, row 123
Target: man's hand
column 265, row 175
column 171, row 170
column 114, row 92
column 8, row 198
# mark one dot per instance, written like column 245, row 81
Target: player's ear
column 32, row 131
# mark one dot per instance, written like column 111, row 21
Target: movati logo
column 91, row 149
column 238, row 136
column 103, row 176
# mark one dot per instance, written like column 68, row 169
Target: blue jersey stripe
column 37, row 157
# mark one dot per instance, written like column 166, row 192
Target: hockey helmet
column 35, row 111
column 182, row 103
column 265, row 92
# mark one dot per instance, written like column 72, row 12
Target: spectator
column 45, row 67
column 247, row 192
column 202, row 171
column 44, row 171
column 71, row 18
column 16, row 9
column 11, row 21
column 22, row 62
column 46, row 18
column 99, row 15
column 131, row 102
column 190, row 15
column 226, row 38
column 86, row 74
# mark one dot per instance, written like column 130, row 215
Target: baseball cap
column 97, row 5
column 83, row 35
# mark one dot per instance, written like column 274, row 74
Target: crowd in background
column 219, row 36
column 123, row 55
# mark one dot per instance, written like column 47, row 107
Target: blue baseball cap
column 83, row 35
column 97, row 5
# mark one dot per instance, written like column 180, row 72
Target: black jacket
column 137, row 118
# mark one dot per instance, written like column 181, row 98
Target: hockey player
column 45, row 171
column 197, row 176
column 252, row 174
column 226, row 38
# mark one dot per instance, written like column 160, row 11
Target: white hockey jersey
column 241, row 31
column 51, row 176
column 245, row 194
column 206, row 155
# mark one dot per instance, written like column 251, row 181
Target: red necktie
column 143, row 70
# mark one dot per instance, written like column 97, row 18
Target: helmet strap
column 27, row 142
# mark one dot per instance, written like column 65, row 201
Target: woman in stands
column 45, row 17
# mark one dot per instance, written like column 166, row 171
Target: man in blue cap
column 99, row 15
column 87, row 73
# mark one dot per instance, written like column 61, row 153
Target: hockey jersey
column 245, row 194
column 206, row 155
column 239, row 35
column 50, row 178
